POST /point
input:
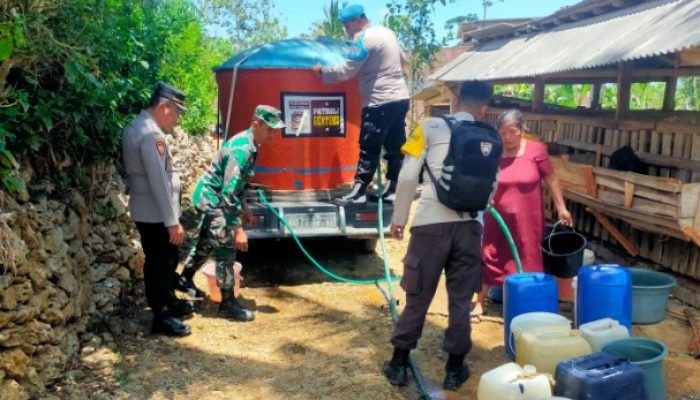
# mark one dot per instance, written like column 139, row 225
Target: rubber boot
column 456, row 372
column 356, row 196
column 396, row 370
column 230, row 308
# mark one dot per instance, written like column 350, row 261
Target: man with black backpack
column 460, row 157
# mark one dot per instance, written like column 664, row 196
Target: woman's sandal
column 475, row 317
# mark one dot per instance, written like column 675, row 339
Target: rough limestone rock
column 74, row 255
column 14, row 362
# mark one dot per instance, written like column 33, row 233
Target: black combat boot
column 185, row 283
column 230, row 308
column 396, row 370
column 164, row 322
column 181, row 309
column 456, row 372
column 356, row 196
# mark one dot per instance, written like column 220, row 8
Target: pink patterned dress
column 520, row 202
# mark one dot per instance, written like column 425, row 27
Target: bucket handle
column 554, row 229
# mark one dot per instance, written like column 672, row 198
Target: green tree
column 452, row 24
column 688, row 93
column 244, row 22
column 331, row 25
column 518, row 90
column 567, row 95
column 78, row 70
column 486, row 4
column 647, row 95
column 412, row 22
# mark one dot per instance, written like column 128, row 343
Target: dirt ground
column 312, row 339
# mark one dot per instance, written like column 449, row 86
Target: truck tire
column 368, row 245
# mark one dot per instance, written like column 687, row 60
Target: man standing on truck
column 218, row 197
column 441, row 238
column 376, row 58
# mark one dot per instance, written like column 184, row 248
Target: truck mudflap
column 311, row 219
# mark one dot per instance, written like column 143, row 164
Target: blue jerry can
column 600, row 376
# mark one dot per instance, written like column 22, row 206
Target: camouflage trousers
column 215, row 238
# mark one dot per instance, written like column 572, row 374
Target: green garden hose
column 388, row 278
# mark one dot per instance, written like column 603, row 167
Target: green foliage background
column 74, row 72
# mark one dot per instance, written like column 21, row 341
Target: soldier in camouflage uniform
column 218, row 197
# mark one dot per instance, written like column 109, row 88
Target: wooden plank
column 643, row 141
column 538, row 100
column 658, row 230
column 657, row 252
column 663, row 184
column 654, row 148
column 634, row 141
column 668, row 161
column 621, row 212
column 679, row 144
column 696, row 223
column 631, row 248
column 692, row 234
column 640, row 205
column 644, row 244
column 690, row 129
column 666, row 148
column 589, row 178
column 690, row 203
column 570, row 174
column 624, row 138
column 624, row 80
column 689, row 57
column 655, row 160
column 670, row 94
column 641, row 191
column 629, row 194
column 695, row 155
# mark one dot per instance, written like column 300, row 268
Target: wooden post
column 670, row 94
column 595, row 100
column 538, row 100
column 624, row 82
column 631, row 248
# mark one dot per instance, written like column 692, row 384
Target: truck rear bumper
column 317, row 219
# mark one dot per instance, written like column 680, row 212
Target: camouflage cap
column 270, row 115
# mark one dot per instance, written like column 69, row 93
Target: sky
column 300, row 15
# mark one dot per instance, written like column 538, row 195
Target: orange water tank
column 319, row 148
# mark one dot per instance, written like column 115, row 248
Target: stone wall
column 66, row 264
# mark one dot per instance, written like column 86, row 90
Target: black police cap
column 165, row 91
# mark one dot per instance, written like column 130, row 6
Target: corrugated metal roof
column 646, row 30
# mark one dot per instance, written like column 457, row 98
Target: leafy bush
column 74, row 72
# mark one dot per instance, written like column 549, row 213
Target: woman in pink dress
column 519, row 200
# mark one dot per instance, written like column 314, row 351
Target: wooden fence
column 672, row 149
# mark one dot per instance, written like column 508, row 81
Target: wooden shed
column 656, row 214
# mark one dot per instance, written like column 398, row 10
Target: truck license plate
column 312, row 220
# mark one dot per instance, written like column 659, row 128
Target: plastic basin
column 649, row 354
column 650, row 292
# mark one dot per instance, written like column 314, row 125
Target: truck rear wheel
column 368, row 245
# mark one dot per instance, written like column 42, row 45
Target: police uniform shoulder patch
column 160, row 144
column 357, row 50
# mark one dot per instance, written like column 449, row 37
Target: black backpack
column 470, row 167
